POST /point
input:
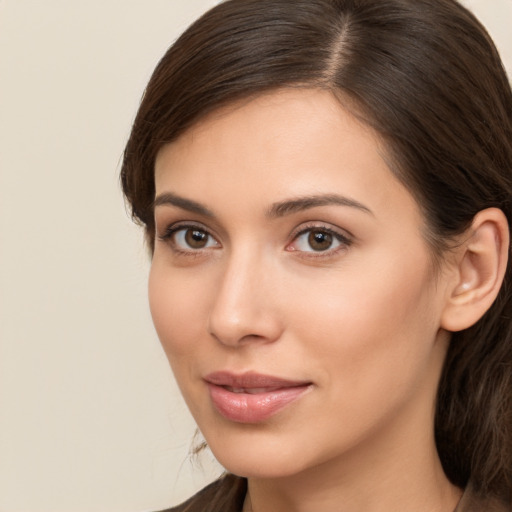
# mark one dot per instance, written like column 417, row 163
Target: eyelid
column 170, row 231
column 344, row 238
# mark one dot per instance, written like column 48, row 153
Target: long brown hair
column 427, row 77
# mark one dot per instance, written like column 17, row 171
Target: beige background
column 90, row 419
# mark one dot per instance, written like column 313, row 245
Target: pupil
column 196, row 238
column 319, row 240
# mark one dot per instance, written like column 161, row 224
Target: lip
column 252, row 397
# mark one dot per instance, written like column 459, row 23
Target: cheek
column 175, row 309
column 372, row 328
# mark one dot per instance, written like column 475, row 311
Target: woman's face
column 292, row 289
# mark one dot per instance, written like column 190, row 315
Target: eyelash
column 169, row 237
column 344, row 241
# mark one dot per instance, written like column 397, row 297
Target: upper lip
column 251, row 380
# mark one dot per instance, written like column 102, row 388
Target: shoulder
column 226, row 494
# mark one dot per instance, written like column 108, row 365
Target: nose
column 245, row 308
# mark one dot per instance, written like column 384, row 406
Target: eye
column 189, row 238
column 318, row 239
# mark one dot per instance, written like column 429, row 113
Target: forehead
column 289, row 142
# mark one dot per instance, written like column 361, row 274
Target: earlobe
column 480, row 268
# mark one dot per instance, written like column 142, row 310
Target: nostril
column 241, row 331
column 236, row 338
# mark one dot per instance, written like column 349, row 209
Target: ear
column 479, row 269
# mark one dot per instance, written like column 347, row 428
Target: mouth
column 252, row 397
column 250, row 391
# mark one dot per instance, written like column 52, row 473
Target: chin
column 260, row 467
column 259, row 455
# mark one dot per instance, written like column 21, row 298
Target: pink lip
column 252, row 397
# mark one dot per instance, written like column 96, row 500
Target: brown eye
column 192, row 239
column 320, row 240
column 317, row 239
column 196, row 239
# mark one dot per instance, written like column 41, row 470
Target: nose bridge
column 244, row 305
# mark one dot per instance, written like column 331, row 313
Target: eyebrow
column 288, row 207
column 280, row 209
column 169, row 198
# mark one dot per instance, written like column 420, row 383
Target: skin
column 360, row 319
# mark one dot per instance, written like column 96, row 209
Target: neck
column 381, row 486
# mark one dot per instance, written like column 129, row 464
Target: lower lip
column 253, row 408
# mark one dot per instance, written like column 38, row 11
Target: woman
column 326, row 187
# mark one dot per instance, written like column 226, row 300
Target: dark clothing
column 227, row 494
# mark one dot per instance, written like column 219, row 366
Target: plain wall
column 90, row 417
